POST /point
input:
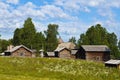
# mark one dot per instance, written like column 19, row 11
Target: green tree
column 112, row 40
column 51, row 37
column 39, row 41
column 72, row 39
column 4, row 44
column 97, row 35
column 25, row 35
column 83, row 40
column 17, row 37
column 28, row 33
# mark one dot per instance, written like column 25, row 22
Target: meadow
column 16, row 68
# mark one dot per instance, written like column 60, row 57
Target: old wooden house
column 113, row 63
column 64, row 50
column 62, row 53
column 19, row 51
column 93, row 52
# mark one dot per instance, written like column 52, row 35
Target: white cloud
column 71, row 29
column 16, row 16
column 87, row 9
column 54, row 12
column 12, row 1
column 95, row 3
column 78, row 5
column 110, row 25
column 69, row 5
column 40, row 26
column 20, row 13
column 82, row 5
column 65, row 13
column 104, row 10
column 3, row 5
column 113, row 3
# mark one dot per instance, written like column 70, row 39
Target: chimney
column 10, row 47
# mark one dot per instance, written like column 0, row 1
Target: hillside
column 54, row 69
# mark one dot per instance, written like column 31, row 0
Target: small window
column 98, row 58
column 21, row 54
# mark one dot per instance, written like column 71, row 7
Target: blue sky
column 73, row 16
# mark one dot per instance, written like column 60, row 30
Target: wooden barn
column 113, row 63
column 64, row 50
column 63, row 53
column 93, row 52
column 19, row 51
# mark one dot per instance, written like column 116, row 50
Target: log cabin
column 19, row 51
column 93, row 52
column 64, row 50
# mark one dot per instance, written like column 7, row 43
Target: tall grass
column 12, row 68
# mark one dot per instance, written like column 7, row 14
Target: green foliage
column 39, row 40
column 51, row 37
column 4, row 44
column 72, row 40
column 17, row 37
column 25, row 35
column 28, row 33
column 36, row 40
column 97, row 35
column 29, row 37
column 83, row 40
column 54, row 69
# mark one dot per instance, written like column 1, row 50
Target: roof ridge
column 16, row 47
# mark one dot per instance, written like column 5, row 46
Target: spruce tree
column 51, row 37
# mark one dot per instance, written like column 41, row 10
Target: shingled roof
column 67, row 45
column 17, row 47
column 113, row 62
column 60, row 49
column 98, row 48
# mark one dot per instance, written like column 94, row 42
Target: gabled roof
column 113, row 62
column 74, row 51
column 60, row 49
column 17, row 47
column 68, row 45
column 98, row 48
column 65, row 45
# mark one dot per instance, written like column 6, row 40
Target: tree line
column 28, row 36
column 47, row 40
column 98, row 35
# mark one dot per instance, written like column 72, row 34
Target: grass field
column 54, row 69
